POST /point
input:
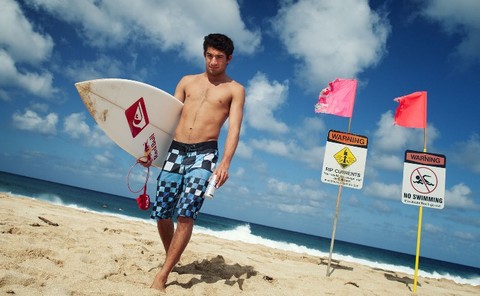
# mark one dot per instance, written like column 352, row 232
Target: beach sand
column 54, row 250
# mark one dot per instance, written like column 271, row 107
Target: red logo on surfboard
column 137, row 117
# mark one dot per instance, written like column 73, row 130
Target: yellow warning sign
column 345, row 157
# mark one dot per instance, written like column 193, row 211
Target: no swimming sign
column 424, row 179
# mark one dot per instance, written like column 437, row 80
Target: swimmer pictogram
column 423, row 180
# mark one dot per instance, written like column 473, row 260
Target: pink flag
column 412, row 110
column 337, row 98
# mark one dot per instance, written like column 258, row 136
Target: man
column 209, row 99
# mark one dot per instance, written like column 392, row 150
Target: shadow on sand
column 214, row 270
column 334, row 264
column 392, row 276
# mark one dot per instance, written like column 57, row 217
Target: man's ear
column 229, row 58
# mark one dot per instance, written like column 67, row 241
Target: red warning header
column 425, row 158
column 347, row 138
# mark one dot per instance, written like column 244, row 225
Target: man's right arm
column 180, row 89
column 234, row 126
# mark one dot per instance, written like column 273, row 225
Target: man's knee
column 186, row 221
column 164, row 223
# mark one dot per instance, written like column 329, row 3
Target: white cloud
column 387, row 161
column 313, row 156
column 106, row 158
column 458, row 17
column 385, row 191
column 297, row 209
column 243, row 150
column 4, row 95
column 291, row 191
column 21, row 46
column 240, row 172
column 389, row 137
column 433, row 229
column 470, row 148
column 295, row 198
column 275, row 147
column 32, row 121
column 458, row 197
column 381, row 207
column 263, row 99
column 331, row 38
column 112, row 22
column 309, row 130
column 389, row 141
column 103, row 66
column 19, row 38
column 41, row 107
column 465, row 236
column 97, row 138
column 75, row 126
column 34, row 83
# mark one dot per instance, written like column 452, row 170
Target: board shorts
column 184, row 178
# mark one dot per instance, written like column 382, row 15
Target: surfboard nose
column 82, row 85
column 121, row 109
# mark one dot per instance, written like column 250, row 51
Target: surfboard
column 138, row 117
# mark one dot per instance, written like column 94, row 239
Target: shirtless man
column 209, row 99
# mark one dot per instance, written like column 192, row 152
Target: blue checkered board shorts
column 184, row 179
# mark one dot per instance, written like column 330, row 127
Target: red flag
column 412, row 110
column 337, row 98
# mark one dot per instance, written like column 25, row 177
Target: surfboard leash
column 143, row 200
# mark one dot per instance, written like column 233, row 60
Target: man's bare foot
column 159, row 284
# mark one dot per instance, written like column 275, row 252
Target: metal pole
column 339, row 195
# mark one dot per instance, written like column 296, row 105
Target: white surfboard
column 139, row 117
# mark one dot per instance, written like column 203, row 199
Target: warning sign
column 344, row 160
column 424, row 179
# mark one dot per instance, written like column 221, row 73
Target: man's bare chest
column 211, row 95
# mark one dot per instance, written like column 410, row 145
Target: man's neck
column 217, row 79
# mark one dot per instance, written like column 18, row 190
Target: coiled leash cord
column 143, row 200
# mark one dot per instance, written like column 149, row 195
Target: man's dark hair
column 219, row 42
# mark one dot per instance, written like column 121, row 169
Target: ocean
column 236, row 230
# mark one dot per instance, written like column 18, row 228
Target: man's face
column 216, row 61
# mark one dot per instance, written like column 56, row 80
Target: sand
column 47, row 249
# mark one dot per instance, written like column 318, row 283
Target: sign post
column 343, row 164
column 423, row 185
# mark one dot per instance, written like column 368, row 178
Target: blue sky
column 286, row 52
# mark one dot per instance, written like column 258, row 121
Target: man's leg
column 165, row 230
column 179, row 242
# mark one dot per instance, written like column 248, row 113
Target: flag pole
column 420, row 212
column 325, row 103
column 417, row 255
column 339, row 196
column 411, row 103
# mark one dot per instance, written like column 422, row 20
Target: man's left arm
column 234, row 126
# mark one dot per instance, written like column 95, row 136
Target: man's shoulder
column 237, row 85
column 233, row 83
column 191, row 77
